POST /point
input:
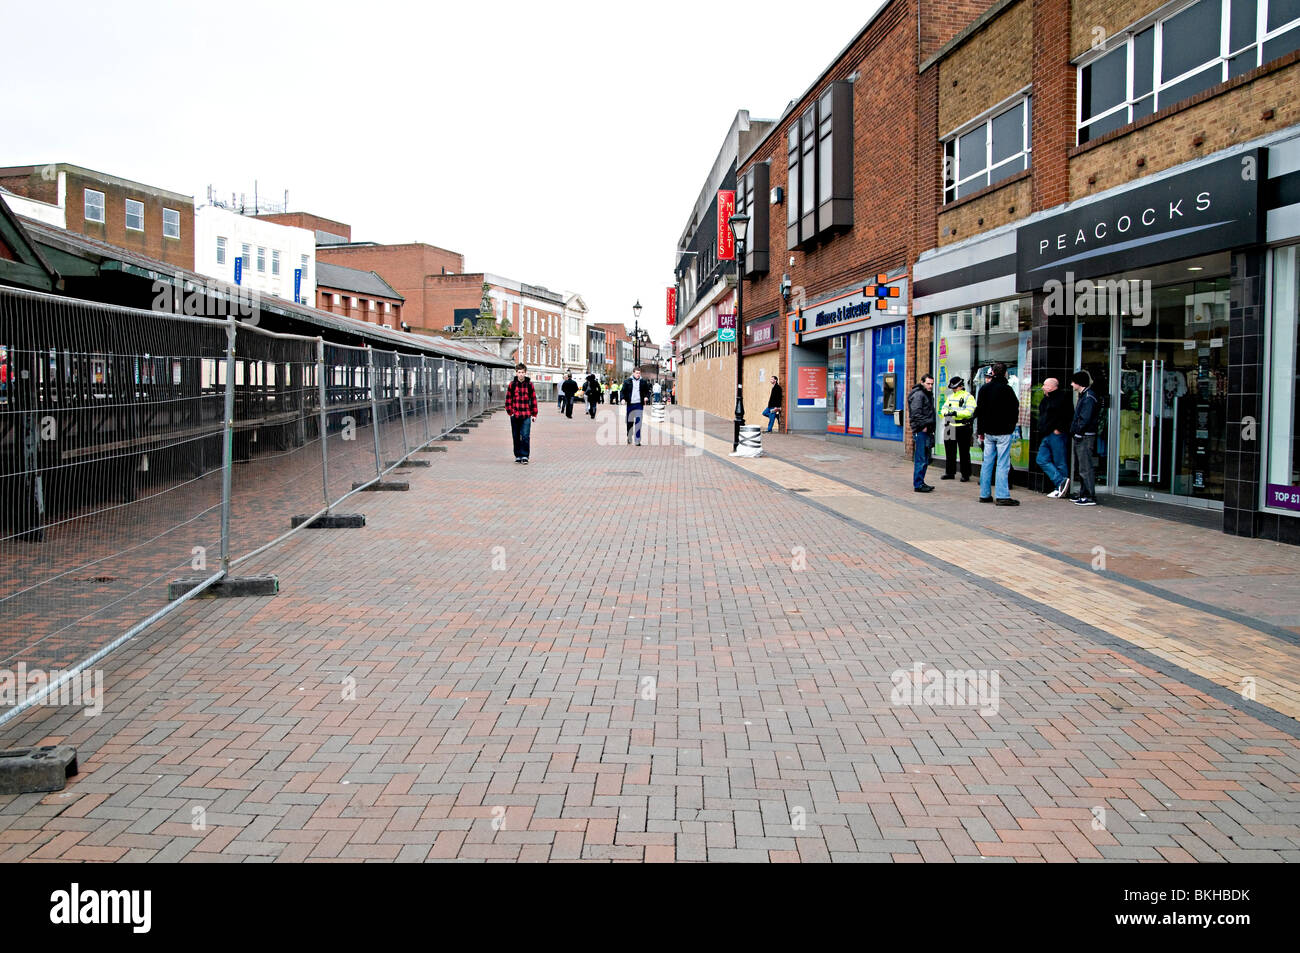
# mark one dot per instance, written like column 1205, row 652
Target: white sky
column 557, row 142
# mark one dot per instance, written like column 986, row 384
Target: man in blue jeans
column 1054, row 416
column 997, row 414
column 920, row 415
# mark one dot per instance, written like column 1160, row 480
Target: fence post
column 424, row 387
column 399, row 378
column 324, row 422
column 374, row 411
column 228, row 445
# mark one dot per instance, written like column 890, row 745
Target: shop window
column 995, row 149
column 1198, row 46
column 970, row 341
column 1282, row 479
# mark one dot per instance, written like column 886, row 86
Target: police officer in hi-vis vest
column 958, row 410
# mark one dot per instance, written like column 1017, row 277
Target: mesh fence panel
column 111, row 424
column 277, row 452
column 349, row 442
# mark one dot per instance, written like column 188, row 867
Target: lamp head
column 739, row 226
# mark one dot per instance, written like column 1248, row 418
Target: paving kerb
column 482, row 690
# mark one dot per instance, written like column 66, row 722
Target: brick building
column 832, row 192
column 327, row 231
column 129, row 215
column 410, row 269
column 358, row 294
column 1120, row 192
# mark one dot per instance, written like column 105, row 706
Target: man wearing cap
column 958, row 410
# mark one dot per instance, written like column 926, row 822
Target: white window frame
column 261, row 259
column 1022, row 100
column 176, row 220
column 88, row 206
column 129, row 226
column 275, row 261
column 1157, row 20
column 221, row 249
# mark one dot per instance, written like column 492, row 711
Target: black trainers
column 1008, row 501
column 947, row 476
column 524, row 461
column 1084, row 501
column 986, row 499
column 925, row 488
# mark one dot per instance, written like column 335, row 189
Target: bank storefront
column 1177, row 294
column 847, row 374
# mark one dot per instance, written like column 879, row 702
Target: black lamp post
column 636, row 334
column 739, row 230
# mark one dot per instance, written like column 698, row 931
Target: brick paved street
column 654, row 654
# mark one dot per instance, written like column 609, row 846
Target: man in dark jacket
column 1054, row 413
column 997, row 414
column 521, row 407
column 635, row 394
column 775, row 401
column 920, row 415
column 591, row 390
column 1083, row 431
column 567, row 390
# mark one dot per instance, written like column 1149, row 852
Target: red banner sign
column 726, row 241
column 672, row 307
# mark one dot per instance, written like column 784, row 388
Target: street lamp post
column 739, row 229
column 636, row 334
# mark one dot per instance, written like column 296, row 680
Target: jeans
column 566, row 404
column 922, row 447
column 1083, row 451
column 770, row 413
column 634, row 421
column 591, row 407
column 520, row 428
column 997, row 455
column 1051, row 458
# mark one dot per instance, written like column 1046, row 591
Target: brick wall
column 406, row 267
column 1110, row 16
column 1004, row 202
column 311, row 222
column 1218, row 120
column 988, row 67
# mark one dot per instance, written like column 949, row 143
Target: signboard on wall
column 812, row 387
column 726, row 240
column 671, row 310
column 727, row 328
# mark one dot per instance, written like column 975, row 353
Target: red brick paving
column 505, row 715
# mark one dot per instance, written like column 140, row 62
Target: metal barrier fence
column 139, row 447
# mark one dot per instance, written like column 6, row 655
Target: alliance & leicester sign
column 1207, row 209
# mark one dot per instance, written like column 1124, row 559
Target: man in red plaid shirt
column 521, row 406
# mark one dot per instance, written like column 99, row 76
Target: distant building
column 409, row 269
column 358, row 294
column 327, row 231
column 274, row 259
column 125, row 214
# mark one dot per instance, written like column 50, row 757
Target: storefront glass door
column 1168, row 435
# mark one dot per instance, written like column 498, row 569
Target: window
column 995, row 149
column 303, row 266
column 1177, row 56
column 171, row 223
column 94, row 206
column 221, row 249
column 573, row 354
column 261, row 259
column 275, row 261
column 134, row 215
column 1282, row 468
column 752, row 200
column 819, row 158
column 247, row 255
column 370, row 305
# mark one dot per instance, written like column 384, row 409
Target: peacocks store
column 1178, row 294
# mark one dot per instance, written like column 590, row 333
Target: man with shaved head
column 1054, row 415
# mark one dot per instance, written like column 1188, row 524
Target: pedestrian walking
column 657, row 392
column 775, row 401
column 958, row 410
column 567, row 390
column 613, row 392
column 920, row 414
column 997, row 411
column 635, row 394
column 521, row 406
column 1083, row 430
column 591, row 390
column 1055, row 416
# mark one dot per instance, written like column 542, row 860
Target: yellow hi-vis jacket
column 959, row 408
